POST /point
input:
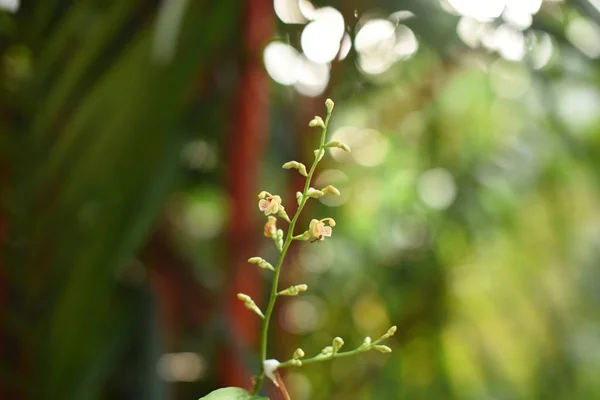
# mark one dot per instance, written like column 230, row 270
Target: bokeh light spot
column 436, row 188
column 302, row 314
column 288, row 11
column 181, row 367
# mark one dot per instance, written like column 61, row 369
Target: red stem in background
column 246, row 147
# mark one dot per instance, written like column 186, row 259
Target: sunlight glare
column 311, row 78
column 321, row 38
column 288, row 11
column 10, row 5
column 280, row 61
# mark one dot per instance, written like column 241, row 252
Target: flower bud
column 297, row 165
column 329, row 105
column 278, row 239
column 338, row 342
column 389, row 333
column 271, row 227
column 366, row 343
column 328, row 351
column 330, row 190
column 319, row 154
column 299, row 353
column 281, row 212
column 314, row 193
column 293, row 290
column 249, row 303
column 382, row 348
column 296, row 363
column 261, row 263
column 316, row 122
column 299, row 196
column 339, row 145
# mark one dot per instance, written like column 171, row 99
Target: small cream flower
column 270, row 204
column 271, row 227
column 318, row 230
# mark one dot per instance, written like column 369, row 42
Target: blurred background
column 135, row 136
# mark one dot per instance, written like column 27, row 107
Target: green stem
column 264, row 330
column 340, row 354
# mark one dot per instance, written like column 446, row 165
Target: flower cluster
column 318, row 229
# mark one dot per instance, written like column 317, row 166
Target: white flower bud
column 299, row 196
column 296, row 363
column 249, row 303
column 339, row 145
column 299, row 353
column 316, row 122
column 327, row 351
column 329, row 105
column 330, row 190
column 279, row 240
column 269, row 367
column 319, row 154
column 261, row 263
column 389, row 333
column 338, row 342
column 297, row 165
column 314, row 193
column 382, row 349
column 293, row 290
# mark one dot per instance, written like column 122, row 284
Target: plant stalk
column 264, row 330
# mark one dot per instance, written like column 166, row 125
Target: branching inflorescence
column 317, row 230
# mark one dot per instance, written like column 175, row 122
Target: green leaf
column 231, row 393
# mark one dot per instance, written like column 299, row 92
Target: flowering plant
column 318, row 230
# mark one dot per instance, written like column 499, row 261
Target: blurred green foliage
column 468, row 216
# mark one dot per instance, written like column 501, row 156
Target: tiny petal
column 263, row 204
column 269, row 367
column 263, row 194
